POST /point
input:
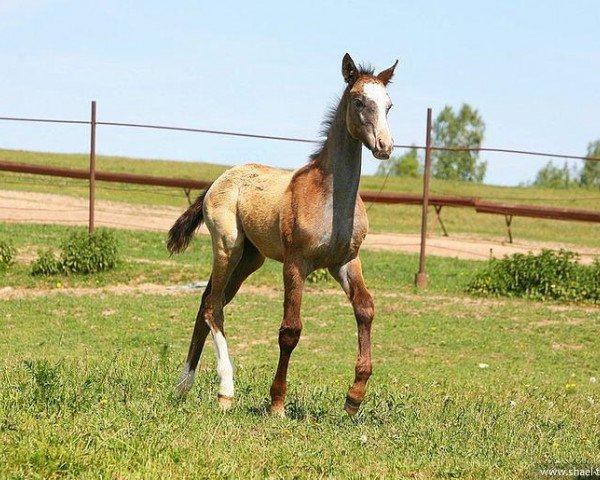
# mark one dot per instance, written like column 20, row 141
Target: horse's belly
column 259, row 205
column 266, row 240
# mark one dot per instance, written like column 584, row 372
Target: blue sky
column 532, row 69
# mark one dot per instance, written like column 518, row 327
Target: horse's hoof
column 225, row 402
column 181, row 390
column 351, row 406
column 184, row 385
column 278, row 410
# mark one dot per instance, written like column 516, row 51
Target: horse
column 308, row 219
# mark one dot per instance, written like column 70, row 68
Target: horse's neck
column 340, row 164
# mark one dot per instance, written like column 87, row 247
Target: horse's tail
column 183, row 229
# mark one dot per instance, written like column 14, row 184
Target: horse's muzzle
column 382, row 154
column 383, row 148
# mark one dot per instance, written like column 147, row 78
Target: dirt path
column 11, row 293
column 29, row 207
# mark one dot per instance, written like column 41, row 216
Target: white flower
column 593, row 380
column 513, row 404
column 363, row 439
column 484, row 365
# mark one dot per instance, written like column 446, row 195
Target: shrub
column 551, row 275
column 7, row 255
column 46, row 263
column 89, row 253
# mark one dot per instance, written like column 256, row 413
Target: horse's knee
column 289, row 337
column 363, row 370
column 364, row 308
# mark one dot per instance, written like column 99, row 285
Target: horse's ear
column 386, row 75
column 349, row 70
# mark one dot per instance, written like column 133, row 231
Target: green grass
column 86, row 391
column 86, row 380
column 383, row 218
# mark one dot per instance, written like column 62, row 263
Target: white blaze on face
column 376, row 92
column 224, row 367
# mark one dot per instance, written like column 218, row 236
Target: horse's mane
column 363, row 70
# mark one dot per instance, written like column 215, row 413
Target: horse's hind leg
column 351, row 279
column 196, row 345
column 251, row 261
column 228, row 244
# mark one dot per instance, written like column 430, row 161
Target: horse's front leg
column 294, row 274
column 351, row 279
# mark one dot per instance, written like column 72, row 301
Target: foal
column 307, row 219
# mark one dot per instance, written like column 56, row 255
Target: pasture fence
column 425, row 199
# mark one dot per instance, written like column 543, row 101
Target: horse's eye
column 358, row 103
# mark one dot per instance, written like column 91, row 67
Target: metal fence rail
column 183, row 183
column 296, row 139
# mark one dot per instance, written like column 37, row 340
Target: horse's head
column 367, row 107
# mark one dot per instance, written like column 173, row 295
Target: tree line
column 588, row 176
column 466, row 127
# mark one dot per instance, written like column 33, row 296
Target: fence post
column 92, row 166
column 421, row 276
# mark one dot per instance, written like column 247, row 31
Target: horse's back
column 254, row 193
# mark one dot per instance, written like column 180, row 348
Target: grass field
column 383, row 218
column 462, row 387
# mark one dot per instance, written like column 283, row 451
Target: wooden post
column 508, row 220
column 92, row 166
column 438, row 216
column 421, row 276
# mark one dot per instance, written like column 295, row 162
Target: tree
column 551, row 176
column 590, row 174
column 407, row 165
column 458, row 130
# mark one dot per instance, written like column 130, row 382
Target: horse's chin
column 378, row 153
column 381, row 154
